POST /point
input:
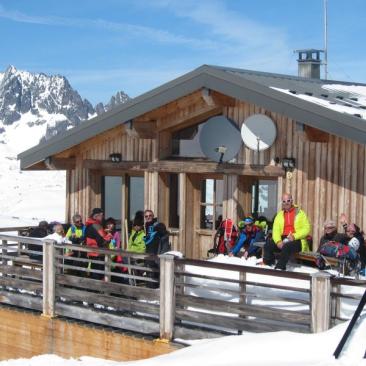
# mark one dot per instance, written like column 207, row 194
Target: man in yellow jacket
column 290, row 229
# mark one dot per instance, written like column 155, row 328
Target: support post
column 320, row 302
column 49, row 278
column 242, row 293
column 336, row 304
column 167, row 296
column 4, row 251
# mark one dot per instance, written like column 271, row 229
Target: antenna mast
column 325, row 39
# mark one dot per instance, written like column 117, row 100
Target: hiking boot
column 279, row 267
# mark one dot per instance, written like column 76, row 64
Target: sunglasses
column 286, row 201
column 78, row 222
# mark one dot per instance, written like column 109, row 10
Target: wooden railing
column 165, row 296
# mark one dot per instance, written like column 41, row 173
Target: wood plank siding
column 329, row 177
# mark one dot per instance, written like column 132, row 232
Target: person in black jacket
column 158, row 244
column 331, row 234
column 40, row 231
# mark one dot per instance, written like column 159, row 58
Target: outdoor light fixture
column 115, row 157
column 288, row 164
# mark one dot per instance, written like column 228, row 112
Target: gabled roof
column 274, row 92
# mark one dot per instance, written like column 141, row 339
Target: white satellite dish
column 258, row 132
column 220, row 139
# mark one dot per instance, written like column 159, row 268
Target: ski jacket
column 76, row 234
column 301, row 225
column 95, row 236
column 150, row 232
column 159, row 241
column 247, row 239
column 136, row 242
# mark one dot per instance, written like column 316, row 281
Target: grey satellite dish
column 258, row 132
column 220, row 139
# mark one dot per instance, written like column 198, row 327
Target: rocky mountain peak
column 46, row 99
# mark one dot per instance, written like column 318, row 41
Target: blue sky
column 136, row 45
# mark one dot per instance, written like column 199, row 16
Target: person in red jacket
column 96, row 237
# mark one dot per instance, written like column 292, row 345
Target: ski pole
column 349, row 329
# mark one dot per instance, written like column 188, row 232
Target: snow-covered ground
column 26, row 197
column 252, row 349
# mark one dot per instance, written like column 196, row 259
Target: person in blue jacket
column 249, row 234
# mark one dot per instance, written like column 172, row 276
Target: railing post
column 49, row 278
column 320, row 302
column 167, row 296
column 242, row 293
column 336, row 303
column 4, row 251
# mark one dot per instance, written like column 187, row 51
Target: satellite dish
column 258, row 132
column 220, row 139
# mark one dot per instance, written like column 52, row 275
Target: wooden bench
column 312, row 256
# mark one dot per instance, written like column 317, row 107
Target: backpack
column 338, row 250
column 227, row 235
column 164, row 245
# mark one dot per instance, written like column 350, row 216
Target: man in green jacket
column 290, row 229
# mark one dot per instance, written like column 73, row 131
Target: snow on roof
column 349, row 99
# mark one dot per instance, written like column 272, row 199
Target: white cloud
column 244, row 42
column 140, row 31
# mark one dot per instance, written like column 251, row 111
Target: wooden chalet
column 143, row 154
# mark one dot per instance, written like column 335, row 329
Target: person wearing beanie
column 136, row 241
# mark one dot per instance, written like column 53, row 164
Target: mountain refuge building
column 147, row 153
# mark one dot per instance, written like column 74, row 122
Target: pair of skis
column 350, row 327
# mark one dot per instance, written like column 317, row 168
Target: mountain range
column 33, row 108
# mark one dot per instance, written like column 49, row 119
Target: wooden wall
column 25, row 334
column 329, row 177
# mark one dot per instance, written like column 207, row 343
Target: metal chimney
column 309, row 63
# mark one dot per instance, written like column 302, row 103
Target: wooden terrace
column 186, row 302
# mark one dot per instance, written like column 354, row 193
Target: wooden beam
column 315, row 135
column 195, row 167
column 144, row 129
column 196, row 117
column 59, row 163
column 222, row 99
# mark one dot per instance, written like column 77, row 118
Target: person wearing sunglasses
column 331, row 234
column 291, row 226
column 149, row 221
column 76, row 232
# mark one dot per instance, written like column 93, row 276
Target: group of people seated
column 290, row 234
column 146, row 236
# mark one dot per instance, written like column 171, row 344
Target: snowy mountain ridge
column 35, row 107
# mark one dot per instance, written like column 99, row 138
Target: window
column 135, row 196
column 211, row 202
column 112, row 188
column 264, row 198
column 112, row 197
column 173, row 200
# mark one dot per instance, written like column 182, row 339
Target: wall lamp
column 288, row 164
column 115, row 157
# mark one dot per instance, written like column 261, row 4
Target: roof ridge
column 284, row 76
